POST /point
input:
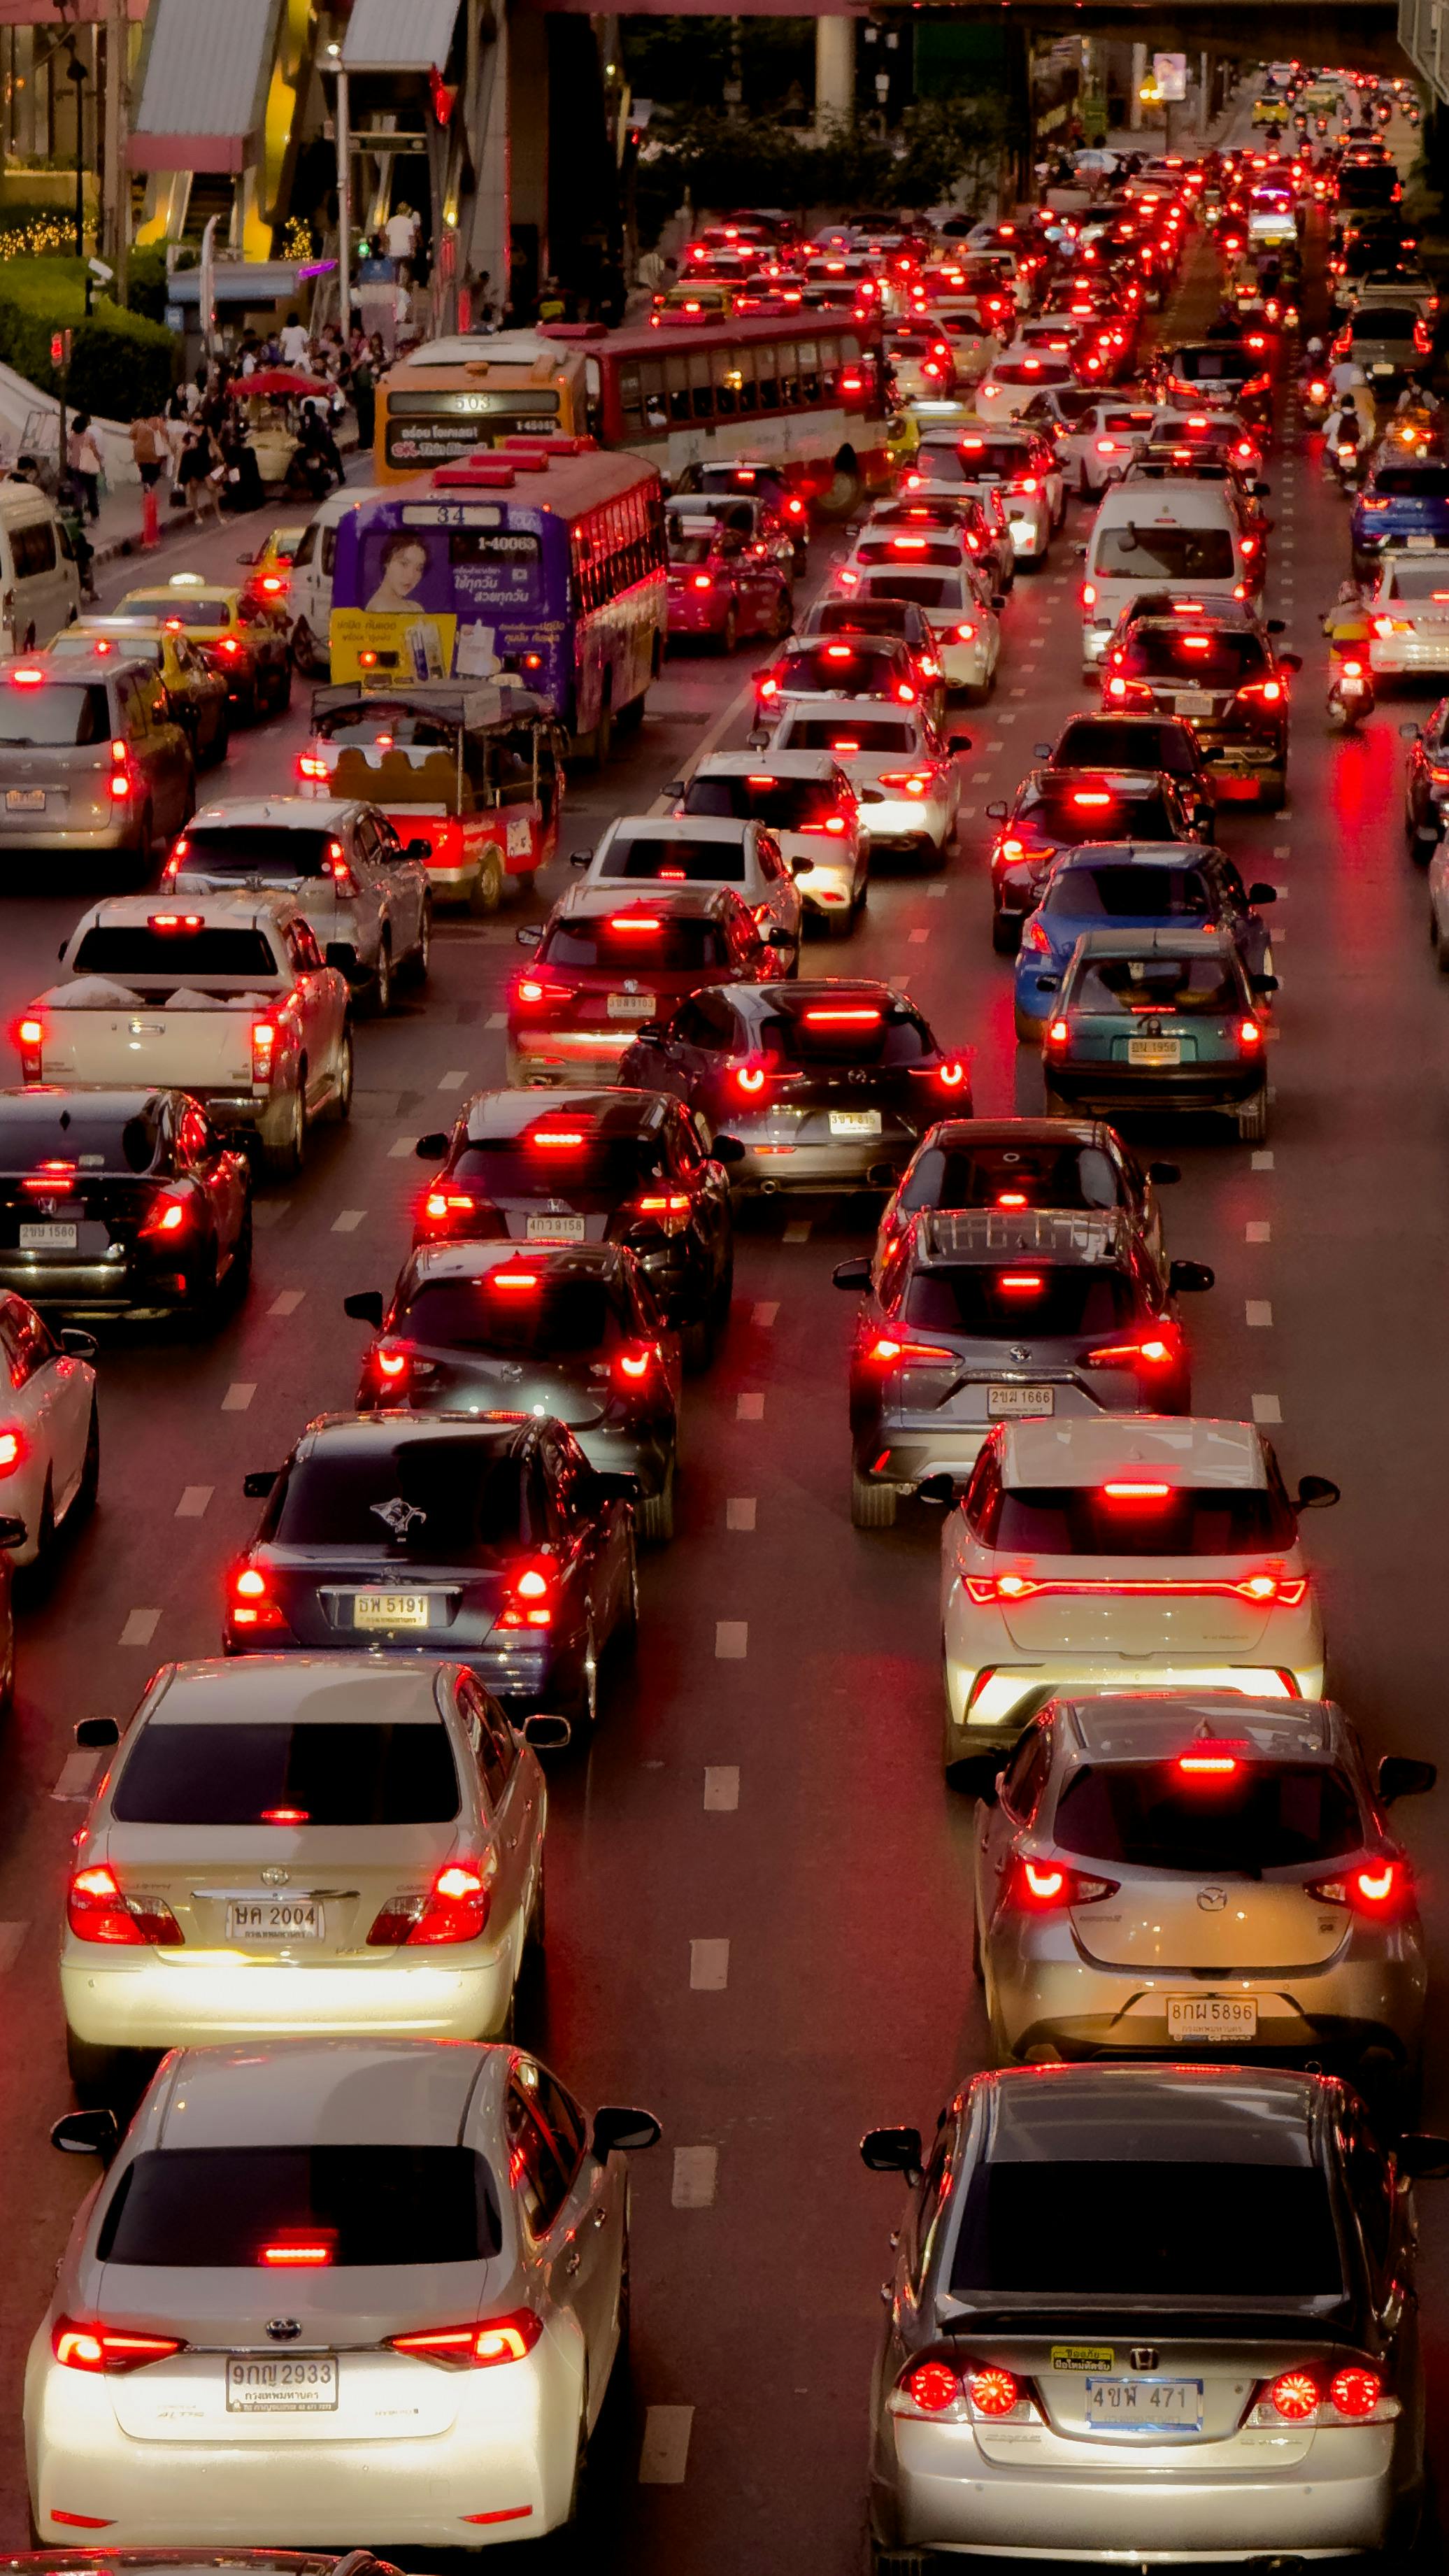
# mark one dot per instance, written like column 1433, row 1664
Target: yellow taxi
column 196, row 692
column 269, row 584
column 247, row 645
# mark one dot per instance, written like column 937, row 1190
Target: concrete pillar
column 834, row 71
column 489, row 233
column 1139, row 75
column 528, row 80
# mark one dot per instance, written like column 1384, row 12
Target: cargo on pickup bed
column 227, row 997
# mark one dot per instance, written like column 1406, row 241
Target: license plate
column 389, row 1609
column 1144, row 2405
column 631, row 1006
column 1216, row 2021
column 1193, row 702
column 855, row 1122
column 1030, row 1402
column 555, row 1229
column 299, row 2383
column 25, row 800
column 274, row 1918
column 1154, row 1050
column 47, row 1238
column 1419, row 545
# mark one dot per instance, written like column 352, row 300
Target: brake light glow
column 251, row 1604
column 842, row 1018
column 750, row 1077
column 97, row 2347
column 26, row 679
column 1249, row 1034
column 97, row 1910
column 296, row 2257
column 1020, row 1283
column 309, row 766
column 951, row 1074
column 530, row 1600
column 454, row 1908
column 1136, row 1491
column 645, row 923
column 1042, row 1887
column 264, row 1043
column 1207, row 1766
column 889, row 1352
column 475, row 2347
column 992, row 2391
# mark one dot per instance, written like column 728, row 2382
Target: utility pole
column 118, row 125
column 343, row 130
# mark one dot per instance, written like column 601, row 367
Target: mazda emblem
column 1144, row 2356
column 1212, row 1899
column 284, row 2329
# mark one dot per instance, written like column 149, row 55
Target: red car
column 720, row 589
column 604, row 967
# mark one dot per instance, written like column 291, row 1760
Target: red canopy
column 279, row 380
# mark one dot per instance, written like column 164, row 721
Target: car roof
column 1157, row 943
column 283, row 813
column 796, row 996
column 1117, row 854
column 1189, row 1449
column 245, row 1690
column 1136, row 1726
column 758, row 764
column 1190, row 2114
column 683, row 902
column 64, row 668
column 1074, row 1240
column 240, row 906
column 728, row 828
column 41, row 1104
column 613, row 1112
column 352, row 1435
column 966, row 1132
column 1122, row 781
column 333, row 2092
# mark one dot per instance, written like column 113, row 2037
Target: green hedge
column 121, row 365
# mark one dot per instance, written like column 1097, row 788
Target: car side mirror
column 996, row 810
column 728, row 1149
column 939, row 1489
column 86, row 2133
column 1421, row 2157
column 581, row 858
column 529, row 933
column 778, row 939
column 246, row 559
column 977, row 1776
column 1047, row 983
column 1407, row 733
column 618, row 1485
column 1041, row 751
column 429, row 1147
column 1189, row 1278
column 418, row 849
column 1276, row 625
column 1080, row 552
column 998, row 602
column 673, row 787
column 365, row 1307
column 259, row 1483
column 1163, row 1174
column 958, row 742
column 1399, row 1777
column 98, row 1731
column 1316, row 1493
column 854, row 1273
column 81, row 1346
column 628, row 2132
column 892, row 2151
column 1259, row 893
column 1264, row 983
column 547, row 1734
column 801, row 867
column 1260, row 492
column 12, row 1530
column 1290, row 661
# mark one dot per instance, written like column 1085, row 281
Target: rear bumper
column 844, row 1163
column 1107, row 1089
column 93, row 1287
column 568, row 1055
column 222, row 1995
column 990, row 1699
column 95, row 839
column 526, row 1677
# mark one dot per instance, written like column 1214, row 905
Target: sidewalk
column 117, row 532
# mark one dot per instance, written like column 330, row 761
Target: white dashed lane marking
column 77, row 1773
column 1267, row 1409
column 1263, row 1162
column 270, row 1212
column 452, row 1081
column 696, row 2171
column 750, row 1408
column 934, row 890
column 1258, row 1231
column 709, row 1967
column 663, row 2459
column 237, row 1397
column 765, row 1312
column 496, row 1020
column 919, row 938
column 349, row 1221
column 1258, row 1312
column 740, row 1512
column 194, row 1500
column 400, row 1147
column 721, row 1788
column 731, row 1640
column 11, row 1936
column 140, row 1628
column 288, row 1302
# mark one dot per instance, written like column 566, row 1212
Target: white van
column 1183, row 538
column 311, row 593
column 39, row 582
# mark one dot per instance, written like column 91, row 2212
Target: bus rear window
column 675, row 948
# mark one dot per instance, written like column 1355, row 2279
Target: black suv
column 1224, row 675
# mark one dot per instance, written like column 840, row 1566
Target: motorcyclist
column 1348, row 625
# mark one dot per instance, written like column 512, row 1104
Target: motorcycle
column 1350, row 696
column 1345, row 459
column 1315, row 397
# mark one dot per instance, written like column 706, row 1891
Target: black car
column 761, row 479
column 573, row 1333
column 120, row 1202
column 901, row 617
column 1148, row 742
column 1012, row 1164
column 1426, row 781
column 803, row 1086
column 412, row 1534
column 1225, row 677
column 982, row 1316
column 1059, row 809
column 592, row 1166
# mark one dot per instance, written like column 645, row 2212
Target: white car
column 1097, row 435
column 1123, row 1552
column 939, row 576
column 902, row 771
column 1409, row 613
column 322, row 2269
column 1017, row 378
column 809, row 804
column 50, row 1451
column 705, row 850
column 288, row 1844
column 922, row 362
column 1017, row 463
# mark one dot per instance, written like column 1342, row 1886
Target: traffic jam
column 677, row 1297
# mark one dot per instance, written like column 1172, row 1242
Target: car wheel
column 416, row 966
column 1006, row 933
column 696, row 1341
column 1053, row 1103
column 535, row 1937
column 304, row 650
column 839, row 925
column 45, row 1526
column 239, row 1269
column 1253, row 1118
column 654, row 1514
column 382, row 979
column 487, row 891
column 287, row 1158
column 84, row 1501
column 282, row 689
column 729, row 633
column 342, row 1097
column 583, row 1709
column 871, row 1506
column 141, row 855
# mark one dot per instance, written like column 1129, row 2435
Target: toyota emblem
column 284, row 2329
column 630, row 985
column 274, row 1877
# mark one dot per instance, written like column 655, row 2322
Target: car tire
column 784, row 618
column 304, row 649
column 417, row 964
column 1252, row 1119
column 535, row 1937
column 1006, row 933
column 141, row 855
column 287, row 1158
column 95, row 2073
column 341, row 1107
column 654, row 1513
column 282, row 689
column 625, row 1634
column 239, row 1269
column 696, row 1341
column 381, row 996
column 729, row 633
column 83, row 1501
column 723, row 1295
column 1028, row 1030
column 871, row 1506
column 1053, row 1103
column 487, row 893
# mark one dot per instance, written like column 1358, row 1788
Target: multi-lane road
column 758, row 1894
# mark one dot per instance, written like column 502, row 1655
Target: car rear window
column 868, row 616
column 1126, row 894
column 131, row 951
column 972, row 460
column 908, row 552
column 846, row 734
column 786, row 804
column 341, row 1773
column 1189, row 1520
column 1028, row 1300
column 260, row 850
column 1162, row 547
column 1132, row 2229
column 221, row 2208
column 552, row 1319
column 93, row 1142
column 1031, row 371
column 1427, row 581
column 1385, row 322
column 510, row 1167
column 1089, row 743
column 1212, row 656
column 461, row 1502
column 188, row 608
column 849, row 1029
column 1095, row 812
column 1412, row 482
column 923, row 589
column 142, row 646
column 695, row 548
column 1012, row 1176
column 677, row 861
column 59, row 715
column 1192, row 987
column 1219, row 363
column 856, row 667
column 1261, row 1815
column 674, row 947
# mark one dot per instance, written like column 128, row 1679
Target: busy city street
column 759, row 1881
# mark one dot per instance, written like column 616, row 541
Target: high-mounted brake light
column 1134, row 1490
column 1207, row 1766
column 522, row 1283
column 296, row 2256
column 559, row 1139
column 1020, row 1283
column 631, row 921
column 861, row 1018
column 26, row 679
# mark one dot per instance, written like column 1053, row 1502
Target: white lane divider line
column 798, row 1231
column 1282, row 850
column 709, row 1967
column 1257, row 1312
column 1258, row 1230
column 76, row 1774
column 696, row 2170
column 964, row 814
column 11, row 1936
column 140, row 1627
column 936, row 890
column 194, row 1499
column 496, row 1020
column 750, row 1408
column 288, row 1302
column 740, row 1512
column 919, row 938
column 1267, row 1409
column 400, row 1148
column 731, row 1640
column 721, row 1788
column 452, row 1081
column 349, row 1221
column 765, row 1312
column 665, row 2452
column 1263, row 1161
column 237, row 1397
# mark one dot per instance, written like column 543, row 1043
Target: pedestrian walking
column 83, row 463
column 151, row 448
column 364, row 400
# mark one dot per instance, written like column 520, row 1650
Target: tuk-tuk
column 470, row 775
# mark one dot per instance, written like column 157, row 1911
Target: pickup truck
column 227, row 997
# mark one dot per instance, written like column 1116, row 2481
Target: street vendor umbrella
column 276, row 381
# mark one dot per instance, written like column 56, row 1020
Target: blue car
column 1127, row 885
column 1403, row 503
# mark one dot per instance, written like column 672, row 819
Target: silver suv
column 90, row 761
column 368, row 903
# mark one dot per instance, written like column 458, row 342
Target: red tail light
column 122, row 781
column 29, row 1039
column 1056, row 1033
column 166, row 1216
column 529, row 1602
column 1152, row 1351
column 391, row 1365
column 1355, row 2392
column 97, row 2347
column 264, row 1047
column 97, row 1910
column 750, row 1078
column 932, row 2386
column 703, row 581
column 1299, row 2396
column 12, row 1451
column 993, row 2391
column 475, row 2347
column 1380, row 1889
column 454, row 1908
column 529, row 991
column 309, row 766
column 296, row 2255
column 670, row 1210
column 1250, row 1036
column 1049, row 1887
column 951, row 1074
column 888, row 1352
column 442, row 1207
column 251, row 1604
column 632, row 1367
column 911, row 782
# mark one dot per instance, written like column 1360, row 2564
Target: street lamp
column 77, row 72
column 343, row 130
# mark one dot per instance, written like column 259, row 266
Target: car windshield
column 1412, row 482
column 676, row 861
column 908, row 553
column 513, row 1167
column 1029, row 1301
column 185, row 608
column 786, row 804
column 262, row 850
column 858, row 667
column 1426, row 581
column 1130, row 893
column 1061, row 811
column 847, row 734
column 77, row 1136
column 132, row 950
column 1026, row 1175
column 1170, row 2231
column 1164, row 548
column 1184, row 1520
column 342, row 1772
column 1092, row 742
column 1385, row 322
column 55, row 715
column 667, row 946
column 229, row 2208
column 515, row 1313
column 1243, row 1819
column 1194, row 987
column 925, row 589
column 1216, row 363
column 455, row 1500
